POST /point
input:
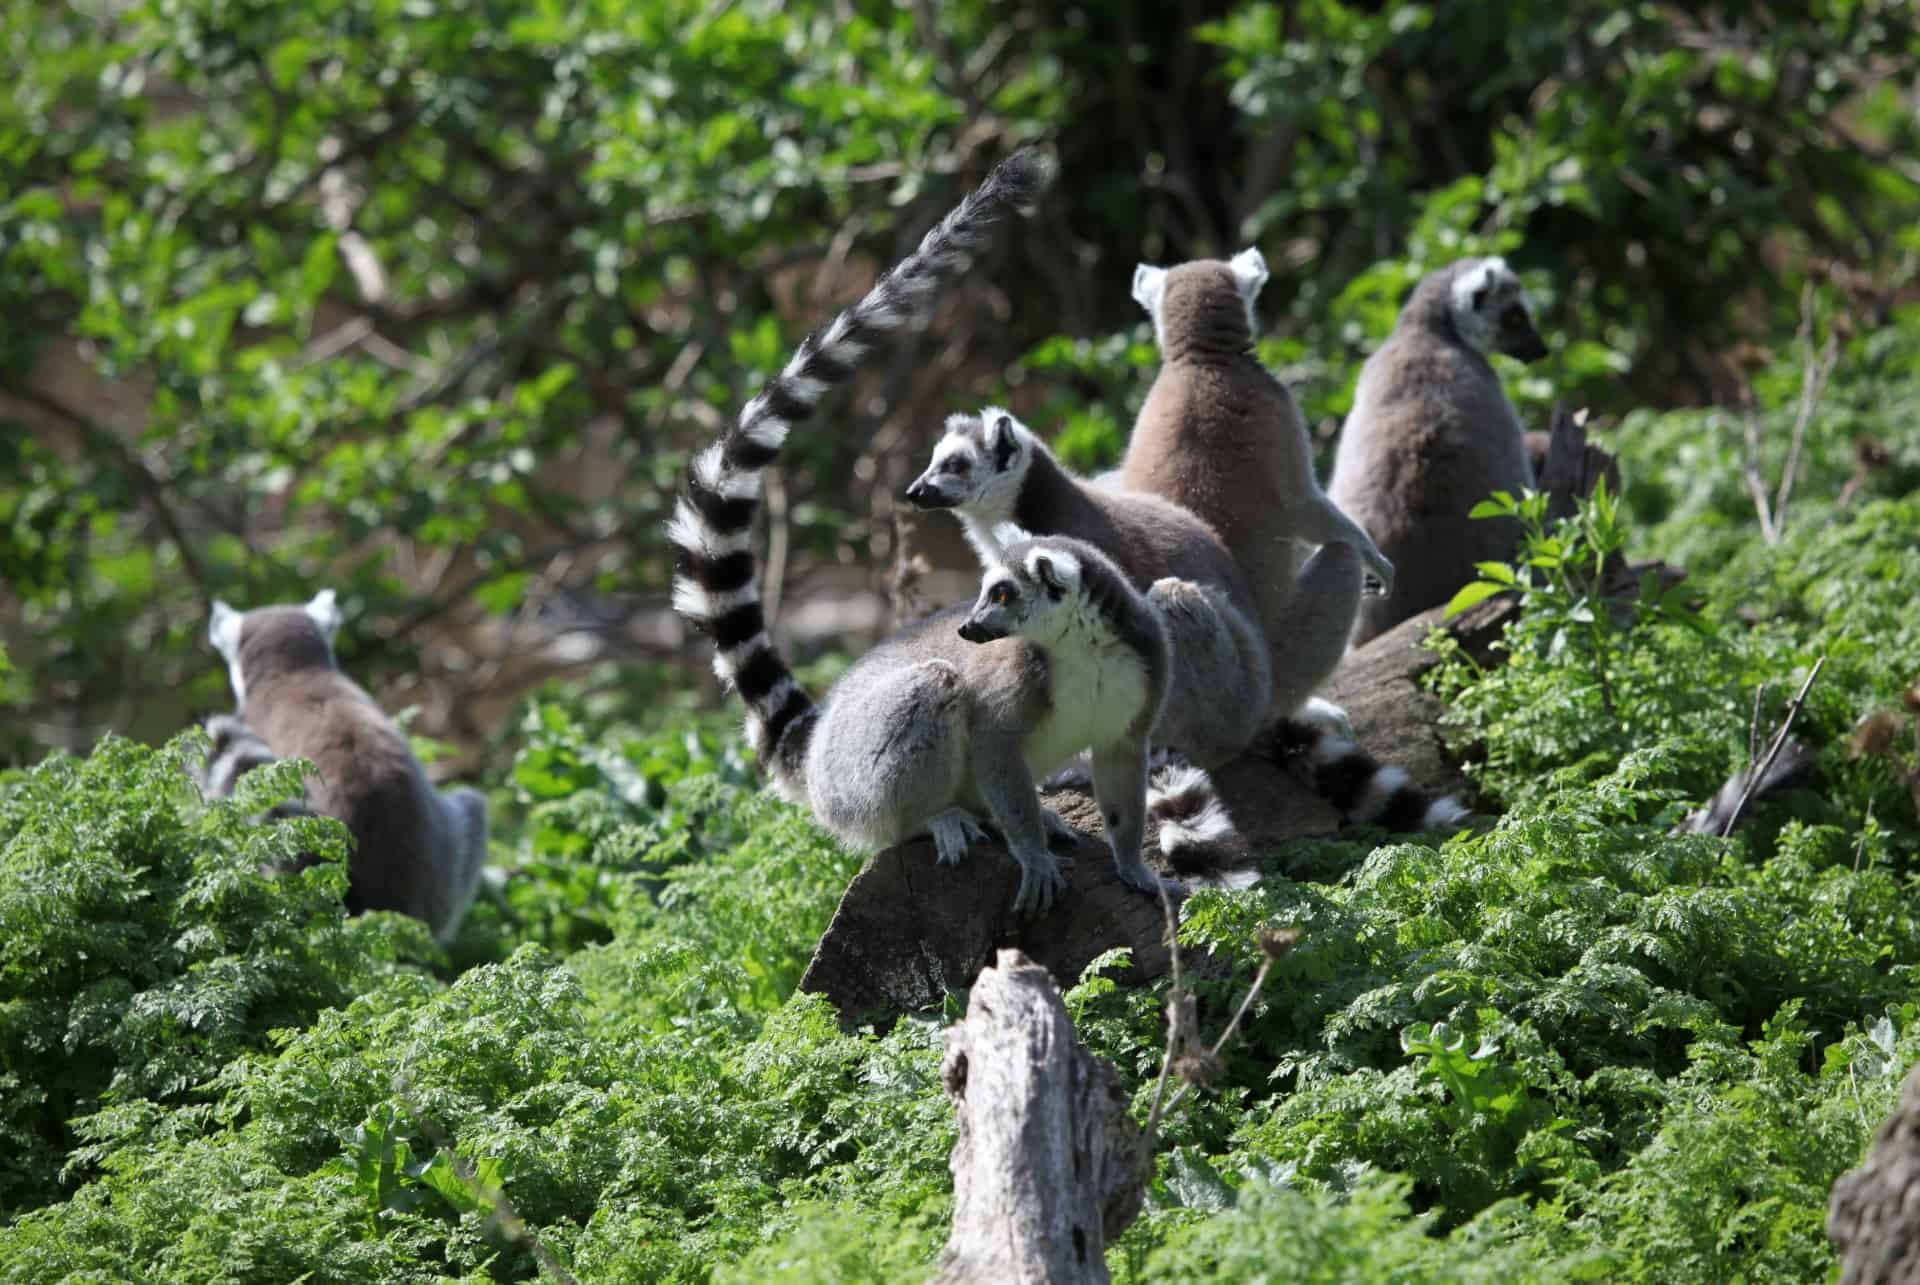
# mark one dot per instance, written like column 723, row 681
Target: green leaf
column 1475, row 592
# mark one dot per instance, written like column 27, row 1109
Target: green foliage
column 1571, row 1046
column 430, row 302
column 144, row 947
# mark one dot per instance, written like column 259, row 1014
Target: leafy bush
column 142, row 947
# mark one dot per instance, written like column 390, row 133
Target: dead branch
column 1773, row 750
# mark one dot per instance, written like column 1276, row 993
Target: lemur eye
column 952, row 465
column 1000, row 595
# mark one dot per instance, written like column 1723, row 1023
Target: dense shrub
column 142, row 947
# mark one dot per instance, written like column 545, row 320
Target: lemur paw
column 1378, row 582
column 1326, row 716
column 1043, row 877
column 1077, row 775
column 1139, row 878
column 953, row 833
column 1057, row 828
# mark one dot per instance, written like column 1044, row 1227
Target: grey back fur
column 1431, row 434
column 417, row 850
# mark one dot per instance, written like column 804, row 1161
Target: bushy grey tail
column 714, row 585
column 1196, row 832
column 1359, row 785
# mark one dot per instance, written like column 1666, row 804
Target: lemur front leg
column 1120, row 787
column 1005, row 785
column 1319, row 614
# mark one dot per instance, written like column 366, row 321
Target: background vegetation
column 430, row 301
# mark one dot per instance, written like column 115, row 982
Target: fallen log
column 1048, row 1167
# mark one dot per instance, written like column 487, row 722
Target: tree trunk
column 1874, row 1215
column 1048, row 1165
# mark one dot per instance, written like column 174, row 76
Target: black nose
column 975, row 632
column 917, row 494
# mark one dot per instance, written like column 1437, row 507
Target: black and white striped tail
column 714, row 585
column 1196, row 833
column 1359, row 785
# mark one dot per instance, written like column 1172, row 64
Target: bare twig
column 1773, row 751
column 1750, row 467
column 1813, row 381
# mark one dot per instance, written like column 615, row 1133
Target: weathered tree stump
column 1874, row 1214
column 1566, row 466
column 1048, row 1166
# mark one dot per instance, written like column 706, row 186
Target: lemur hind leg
column 890, row 755
column 1325, row 522
column 1120, row 786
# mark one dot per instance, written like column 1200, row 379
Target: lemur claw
column 953, row 831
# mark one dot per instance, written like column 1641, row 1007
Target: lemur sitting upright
column 416, row 850
column 1221, row 437
column 1431, row 434
column 992, row 470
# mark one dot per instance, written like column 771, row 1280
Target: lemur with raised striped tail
column 927, row 730
column 994, row 474
column 1221, row 437
column 1432, row 433
column 417, row 850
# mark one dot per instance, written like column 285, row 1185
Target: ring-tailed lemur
column 417, row 850
column 1222, row 438
column 991, row 470
column 1431, row 434
column 1095, row 674
column 924, row 726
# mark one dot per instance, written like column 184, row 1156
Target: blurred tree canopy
column 428, row 300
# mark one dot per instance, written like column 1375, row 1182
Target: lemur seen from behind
column 1432, row 433
column 416, row 849
column 1221, row 437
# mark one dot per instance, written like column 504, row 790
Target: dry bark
column 1048, row 1166
column 1874, row 1214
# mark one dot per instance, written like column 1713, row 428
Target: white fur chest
column 1097, row 688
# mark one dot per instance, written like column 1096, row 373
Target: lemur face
column 978, row 465
column 1031, row 596
column 1490, row 311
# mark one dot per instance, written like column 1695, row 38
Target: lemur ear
column 1043, row 569
column 223, row 630
column 1002, row 440
column 1249, row 272
column 1149, row 284
column 325, row 613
